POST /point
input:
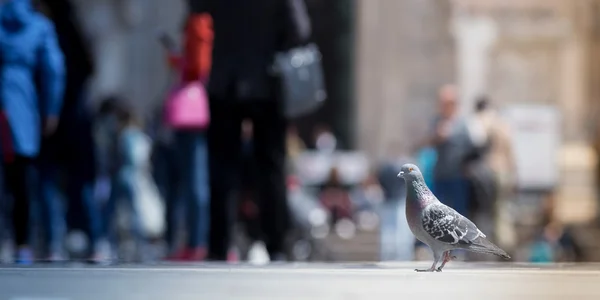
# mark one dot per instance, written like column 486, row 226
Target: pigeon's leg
column 436, row 259
column 446, row 257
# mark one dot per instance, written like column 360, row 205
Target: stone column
column 475, row 36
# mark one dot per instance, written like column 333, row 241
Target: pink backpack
column 187, row 107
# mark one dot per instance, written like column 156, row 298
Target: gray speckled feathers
column 439, row 226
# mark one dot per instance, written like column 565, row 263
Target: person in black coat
column 70, row 151
column 247, row 35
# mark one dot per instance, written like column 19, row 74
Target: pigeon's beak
column 401, row 174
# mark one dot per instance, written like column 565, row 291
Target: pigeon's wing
column 448, row 226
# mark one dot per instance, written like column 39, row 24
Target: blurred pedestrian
column 105, row 134
column 248, row 35
column 69, row 153
column 427, row 158
column 483, row 187
column 335, row 197
column 397, row 241
column 497, row 170
column 248, row 212
column 481, row 176
column 133, row 184
column 452, row 142
column 189, row 191
column 31, row 85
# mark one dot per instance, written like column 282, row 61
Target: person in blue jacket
column 32, row 80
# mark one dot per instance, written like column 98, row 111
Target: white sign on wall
column 536, row 140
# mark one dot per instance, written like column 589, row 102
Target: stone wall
column 404, row 53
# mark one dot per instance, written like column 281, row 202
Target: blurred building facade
column 515, row 51
column 538, row 53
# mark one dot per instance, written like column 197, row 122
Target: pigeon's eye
column 410, row 169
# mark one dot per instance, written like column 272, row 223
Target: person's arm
column 300, row 19
column 297, row 23
column 52, row 67
column 174, row 59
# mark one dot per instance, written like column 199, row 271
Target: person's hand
column 50, row 125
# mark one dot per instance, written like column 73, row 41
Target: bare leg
column 445, row 258
column 436, row 259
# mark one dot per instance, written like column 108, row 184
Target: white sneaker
column 258, row 255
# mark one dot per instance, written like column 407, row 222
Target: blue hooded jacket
column 32, row 74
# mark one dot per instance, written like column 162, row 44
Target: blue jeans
column 50, row 208
column 122, row 188
column 4, row 209
column 69, row 152
column 190, row 189
column 83, row 210
column 454, row 193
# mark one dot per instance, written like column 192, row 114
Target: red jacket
column 197, row 52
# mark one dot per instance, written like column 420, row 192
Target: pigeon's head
column 410, row 172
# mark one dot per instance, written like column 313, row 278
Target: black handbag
column 302, row 83
column 299, row 67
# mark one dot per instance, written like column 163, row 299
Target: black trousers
column 21, row 184
column 225, row 156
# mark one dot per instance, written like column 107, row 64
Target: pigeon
column 439, row 226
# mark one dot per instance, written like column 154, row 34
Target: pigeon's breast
column 413, row 218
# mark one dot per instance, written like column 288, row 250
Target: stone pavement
column 302, row 281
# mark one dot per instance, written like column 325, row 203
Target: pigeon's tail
column 482, row 245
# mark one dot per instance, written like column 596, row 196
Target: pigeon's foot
column 447, row 258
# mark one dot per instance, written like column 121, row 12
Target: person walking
column 453, row 144
column 32, row 81
column 248, row 34
column 70, row 152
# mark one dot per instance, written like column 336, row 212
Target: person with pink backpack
column 186, row 114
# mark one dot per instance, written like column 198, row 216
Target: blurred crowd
column 219, row 157
column 67, row 167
